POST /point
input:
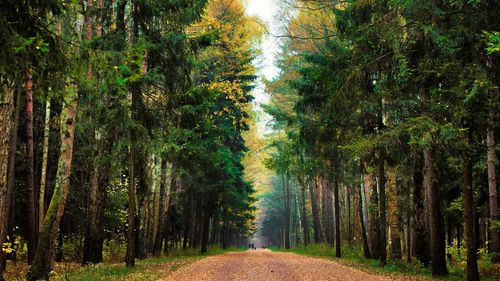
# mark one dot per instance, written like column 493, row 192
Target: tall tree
column 42, row 263
column 6, row 110
column 30, row 173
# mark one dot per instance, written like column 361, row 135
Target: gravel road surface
column 264, row 265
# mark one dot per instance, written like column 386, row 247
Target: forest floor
column 264, row 264
column 149, row 269
column 353, row 258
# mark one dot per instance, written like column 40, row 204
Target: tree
column 42, row 263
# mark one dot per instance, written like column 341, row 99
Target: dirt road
column 264, row 265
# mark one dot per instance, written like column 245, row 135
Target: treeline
column 121, row 123
column 386, row 114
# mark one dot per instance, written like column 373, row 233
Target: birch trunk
column 492, row 188
column 286, row 199
column 366, row 249
column 393, row 213
column 43, row 181
column 43, row 260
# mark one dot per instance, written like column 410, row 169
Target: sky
column 266, row 11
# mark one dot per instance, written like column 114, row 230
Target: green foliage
column 493, row 43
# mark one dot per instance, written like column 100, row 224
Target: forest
column 121, row 126
column 384, row 116
column 129, row 129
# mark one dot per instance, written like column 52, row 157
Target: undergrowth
column 152, row 268
column 354, row 257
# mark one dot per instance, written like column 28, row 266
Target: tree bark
column 366, row 249
column 43, row 181
column 30, row 177
column 338, row 252
column 43, row 259
column 318, row 232
column 305, row 227
column 432, row 199
column 437, row 237
column 157, row 175
column 205, row 229
column 393, row 213
column 10, row 215
column 350, row 224
column 409, row 224
column 471, row 269
column 94, row 236
column 7, row 129
column 383, row 235
column 327, row 212
column 419, row 250
column 494, row 244
column 374, row 221
column 166, row 185
column 286, row 199
column 130, row 256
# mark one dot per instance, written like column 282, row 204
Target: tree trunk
column 144, row 192
column 94, row 236
column 30, row 178
column 91, row 230
column 327, row 212
column 305, row 227
column 437, row 237
column 192, row 220
column 224, row 229
column 10, row 212
column 366, row 249
column 349, row 223
column 205, row 229
column 338, row 252
column 8, row 133
column 383, row 235
column 494, row 244
column 419, row 250
column 374, row 226
column 409, row 224
column 131, row 231
column 318, row 237
column 130, row 257
column 393, row 213
column 42, row 262
column 286, row 199
column 157, row 175
column 43, row 181
column 298, row 218
column 166, row 185
column 472, row 270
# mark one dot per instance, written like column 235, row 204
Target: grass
column 148, row 269
column 145, row 270
column 354, row 258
